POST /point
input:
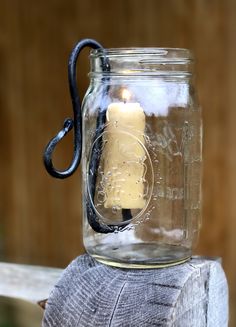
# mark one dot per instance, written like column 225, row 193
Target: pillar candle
column 124, row 156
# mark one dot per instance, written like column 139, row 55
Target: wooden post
column 89, row 294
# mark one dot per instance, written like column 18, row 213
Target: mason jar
column 141, row 167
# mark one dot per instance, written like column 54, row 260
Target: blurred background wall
column 40, row 217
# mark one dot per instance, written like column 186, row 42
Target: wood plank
column 31, row 283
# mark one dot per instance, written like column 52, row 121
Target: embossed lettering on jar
column 141, row 157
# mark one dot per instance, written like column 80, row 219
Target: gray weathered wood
column 90, row 294
column 31, row 283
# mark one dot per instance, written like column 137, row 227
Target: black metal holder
column 93, row 220
column 69, row 123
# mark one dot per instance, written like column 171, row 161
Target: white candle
column 124, row 155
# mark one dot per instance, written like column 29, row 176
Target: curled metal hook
column 69, row 123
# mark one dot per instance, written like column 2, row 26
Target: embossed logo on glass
column 124, row 176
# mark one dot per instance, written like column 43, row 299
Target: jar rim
column 159, row 54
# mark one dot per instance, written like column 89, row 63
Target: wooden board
column 29, row 283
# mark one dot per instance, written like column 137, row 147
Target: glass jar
column 141, row 157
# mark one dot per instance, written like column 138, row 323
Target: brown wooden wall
column 40, row 216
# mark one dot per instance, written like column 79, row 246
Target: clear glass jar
column 141, row 157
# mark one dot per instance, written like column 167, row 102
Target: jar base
column 141, row 256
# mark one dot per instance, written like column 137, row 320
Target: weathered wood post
column 89, row 294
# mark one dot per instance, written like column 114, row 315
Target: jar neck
column 136, row 62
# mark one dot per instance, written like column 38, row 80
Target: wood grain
column 40, row 218
column 91, row 294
